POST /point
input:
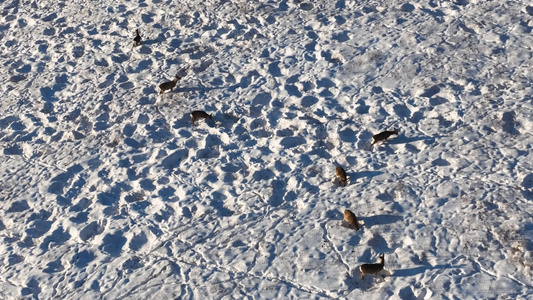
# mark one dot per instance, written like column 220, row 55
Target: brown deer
column 383, row 136
column 200, row 114
column 341, row 174
column 373, row 268
column 167, row 86
column 351, row 219
column 137, row 39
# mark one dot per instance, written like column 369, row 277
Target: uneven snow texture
column 108, row 191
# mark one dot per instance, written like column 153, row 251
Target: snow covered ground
column 108, row 191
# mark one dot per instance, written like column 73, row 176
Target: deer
column 137, row 39
column 200, row 114
column 373, row 268
column 383, row 136
column 341, row 174
column 167, row 86
column 351, row 219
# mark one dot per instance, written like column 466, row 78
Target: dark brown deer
column 200, row 114
column 383, row 136
column 137, row 39
column 167, row 86
column 373, row 268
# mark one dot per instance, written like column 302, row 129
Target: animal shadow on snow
column 527, row 183
column 354, row 281
column 259, row 102
column 348, row 135
column 217, row 202
column 379, row 220
column 58, row 237
column 202, row 90
column 48, row 94
column 335, row 214
column 225, row 120
column 32, row 288
column 338, row 183
column 421, row 269
column 82, row 259
column 113, row 243
column 185, row 121
column 368, row 174
column 60, row 181
column 279, row 193
column 402, row 139
column 338, row 217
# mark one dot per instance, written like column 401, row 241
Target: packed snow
column 108, row 190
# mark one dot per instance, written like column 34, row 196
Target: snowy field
column 107, row 191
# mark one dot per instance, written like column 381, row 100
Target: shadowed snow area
column 108, row 191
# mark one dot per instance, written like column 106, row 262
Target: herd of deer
column 349, row 217
column 169, row 85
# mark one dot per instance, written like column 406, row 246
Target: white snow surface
column 107, row 191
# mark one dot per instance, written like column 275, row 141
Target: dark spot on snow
column 439, row 162
column 430, row 92
column 274, row 69
column 407, row 7
column 54, row 266
column 82, row 259
column 341, row 37
column 509, row 119
column 14, row 150
column 528, row 181
column 113, row 243
column 174, row 160
column 137, row 241
column 58, row 237
column 19, row 206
